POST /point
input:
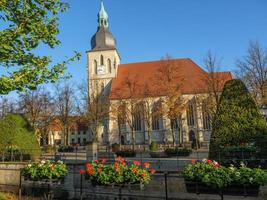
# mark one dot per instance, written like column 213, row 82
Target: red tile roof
column 188, row 74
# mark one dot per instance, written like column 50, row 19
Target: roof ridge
column 154, row 61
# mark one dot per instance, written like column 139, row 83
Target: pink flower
column 136, row 163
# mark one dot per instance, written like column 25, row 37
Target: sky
column 147, row 30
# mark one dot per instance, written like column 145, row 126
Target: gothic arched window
column 156, row 116
column 101, row 60
column 190, row 114
column 109, row 65
column 137, row 118
column 206, row 116
column 95, row 66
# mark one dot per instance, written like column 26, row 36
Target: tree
column 17, row 133
column 128, row 105
column 214, row 82
column 94, row 109
column 27, row 24
column 168, row 80
column 6, row 106
column 253, row 71
column 38, row 106
column 65, row 107
column 237, row 121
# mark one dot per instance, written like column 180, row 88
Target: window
column 156, row 116
column 101, row 60
column 95, row 66
column 84, row 132
column 109, row 66
column 190, row 114
column 175, row 123
column 72, row 141
column 206, row 116
column 84, row 140
column 79, row 140
column 137, row 121
column 115, row 63
column 79, row 132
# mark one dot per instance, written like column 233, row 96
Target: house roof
column 145, row 76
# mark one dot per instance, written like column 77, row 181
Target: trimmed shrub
column 126, row 153
column 115, row 147
column 17, row 134
column 153, row 146
column 238, row 121
column 178, row 152
column 63, row 148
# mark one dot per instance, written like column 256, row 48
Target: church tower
column 103, row 58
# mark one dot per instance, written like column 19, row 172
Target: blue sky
column 147, row 30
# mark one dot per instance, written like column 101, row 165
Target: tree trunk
column 133, row 139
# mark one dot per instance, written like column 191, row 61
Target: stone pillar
column 91, row 152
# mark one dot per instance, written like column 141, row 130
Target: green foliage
column 28, row 24
column 63, row 148
column 237, row 120
column 1, row 196
column 115, row 147
column 120, row 172
column 45, row 169
column 126, row 153
column 178, row 152
column 212, row 174
column 16, row 133
column 153, row 146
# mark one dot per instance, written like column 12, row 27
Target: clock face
column 101, row 69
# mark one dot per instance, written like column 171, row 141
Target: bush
column 237, row 120
column 115, row 147
column 153, row 146
column 178, row 152
column 63, row 148
column 126, row 153
column 17, row 134
column 48, row 149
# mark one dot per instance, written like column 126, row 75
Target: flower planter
column 233, row 190
column 200, row 188
column 53, row 181
column 157, row 154
column 240, row 190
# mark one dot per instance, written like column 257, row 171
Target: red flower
column 120, row 159
column 104, row 160
column 136, row 163
column 116, row 165
column 194, row 162
column 100, row 170
column 209, row 162
column 134, row 171
column 89, row 169
column 88, row 165
column 82, row 172
column 152, row 171
column 143, row 175
column 96, row 161
column 146, row 165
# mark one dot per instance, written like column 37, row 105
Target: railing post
column 166, row 185
column 81, row 187
column 20, row 185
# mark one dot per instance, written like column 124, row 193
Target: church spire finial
column 102, row 16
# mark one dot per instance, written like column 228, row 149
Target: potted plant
column 45, row 170
column 154, row 153
column 120, row 173
column 209, row 176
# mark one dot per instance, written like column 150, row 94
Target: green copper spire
column 102, row 16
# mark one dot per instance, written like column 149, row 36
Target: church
column 132, row 84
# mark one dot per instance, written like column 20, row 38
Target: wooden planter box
column 233, row 190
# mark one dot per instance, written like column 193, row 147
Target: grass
column 11, row 196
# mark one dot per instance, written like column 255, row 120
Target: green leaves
column 237, row 120
column 29, row 23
